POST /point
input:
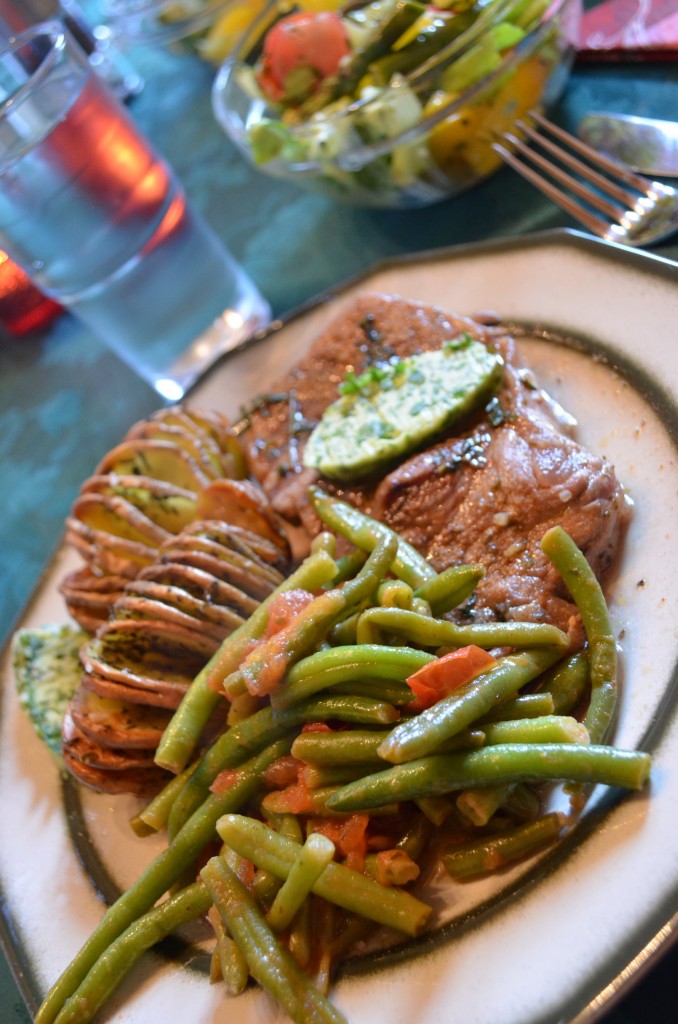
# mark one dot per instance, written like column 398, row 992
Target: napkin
column 630, row 30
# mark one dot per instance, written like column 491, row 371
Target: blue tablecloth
column 64, row 399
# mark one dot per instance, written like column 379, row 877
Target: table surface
column 65, row 399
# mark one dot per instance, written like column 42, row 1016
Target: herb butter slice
column 47, row 670
column 390, row 410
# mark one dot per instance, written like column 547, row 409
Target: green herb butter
column 389, row 411
column 47, row 672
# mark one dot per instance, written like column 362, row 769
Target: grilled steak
column 486, row 495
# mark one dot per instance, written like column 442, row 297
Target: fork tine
column 637, row 181
column 595, row 199
column 565, row 202
column 600, row 181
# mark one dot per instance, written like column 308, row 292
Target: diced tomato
column 314, row 42
column 294, row 799
column 316, row 727
column 284, row 771
column 349, row 836
column 225, row 780
column 285, row 607
column 441, row 677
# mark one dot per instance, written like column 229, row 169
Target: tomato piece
column 349, row 836
column 285, row 607
column 443, row 676
column 299, row 52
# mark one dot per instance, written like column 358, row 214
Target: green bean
column 408, row 565
column 429, row 632
column 394, row 594
column 587, row 593
column 445, row 773
column 451, row 587
column 522, row 802
column 567, row 683
column 282, row 801
column 336, row 665
column 300, row 936
column 266, row 666
column 420, row 735
column 313, row 858
column 517, row 799
column 391, row 867
column 526, row 705
column 360, row 746
column 346, row 888
column 232, row 964
column 482, row 855
column 353, row 746
column 436, row 809
column 115, row 962
column 155, row 815
column 157, row 878
column 547, row 729
column 269, row 962
column 202, row 698
column 319, row 776
column 478, row 805
column 264, row 727
column 391, row 690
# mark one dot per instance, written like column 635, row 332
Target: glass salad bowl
column 394, row 103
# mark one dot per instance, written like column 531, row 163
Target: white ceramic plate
column 550, row 942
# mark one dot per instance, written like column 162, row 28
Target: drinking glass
column 100, row 222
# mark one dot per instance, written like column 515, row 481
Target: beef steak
column 486, row 494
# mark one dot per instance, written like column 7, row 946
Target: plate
column 552, row 941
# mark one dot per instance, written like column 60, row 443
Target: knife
column 645, row 144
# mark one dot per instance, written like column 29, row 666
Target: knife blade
column 645, row 144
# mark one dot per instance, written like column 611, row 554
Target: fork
column 637, row 211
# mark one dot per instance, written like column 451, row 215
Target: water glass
column 101, row 223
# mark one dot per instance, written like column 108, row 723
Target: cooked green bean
column 320, row 776
column 267, row 664
column 155, row 815
column 361, row 746
column 392, row 867
column 336, row 665
column 451, row 587
column 567, row 683
column 313, row 858
column 419, row 736
column 233, row 967
column 264, row 727
column 158, row 877
column 338, row 884
column 482, row 855
column 526, row 705
column 395, row 594
column 478, row 805
column 284, row 801
column 393, row 691
column 444, row 773
column 430, row 632
column 365, row 533
column 352, row 746
column 587, row 594
column 183, row 733
column 269, row 962
column 115, row 962
column 546, row 729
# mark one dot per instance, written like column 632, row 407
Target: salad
column 394, row 102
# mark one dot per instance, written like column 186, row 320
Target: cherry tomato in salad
column 299, row 52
